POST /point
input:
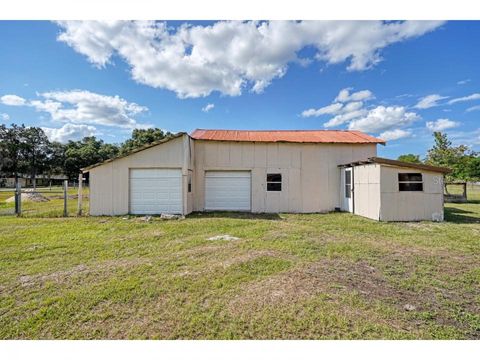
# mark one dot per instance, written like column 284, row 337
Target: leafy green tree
column 141, row 137
column 88, row 151
column 459, row 158
column 473, row 168
column 12, row 150
column 55, row 159
column 411, row 158
column 35, row 150
column 468, row 167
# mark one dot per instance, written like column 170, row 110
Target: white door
column 156, row 191
column 347, row 190
column 228, row 190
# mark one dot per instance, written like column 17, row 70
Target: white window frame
column 410, row 182
column 274, row 182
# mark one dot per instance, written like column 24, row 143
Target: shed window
column 410, row 182
column 274, row 182
column 189, row 181
column 348, row 184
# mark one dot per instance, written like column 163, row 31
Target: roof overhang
column 384, row 161
column 145, row 147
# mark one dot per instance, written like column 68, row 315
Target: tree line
column 27, row 151
column 464, row 163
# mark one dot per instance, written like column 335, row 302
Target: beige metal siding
column 366, row 185
column 410, row 205
column 310, row 173
column 101, row 198
column 109, row 183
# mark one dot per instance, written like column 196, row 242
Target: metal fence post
column 65, row 195
column 18, row 198
column 80, row 195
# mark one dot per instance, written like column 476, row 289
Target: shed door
column 347, row 190
column 228, row 190
column 156, row 191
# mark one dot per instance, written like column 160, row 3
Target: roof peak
column 282, row 130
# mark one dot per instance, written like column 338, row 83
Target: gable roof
column 289, row 136
column 293, row 136
column 145, row 147
column 379, row 160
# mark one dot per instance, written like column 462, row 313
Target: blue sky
column 399, row 80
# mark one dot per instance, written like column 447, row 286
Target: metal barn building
column 265, row 171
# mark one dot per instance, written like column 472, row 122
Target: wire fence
column 51, row 201
column 54, row 201
column 459, row 192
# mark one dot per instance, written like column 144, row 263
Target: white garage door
column 227, row 190
column 155, row 191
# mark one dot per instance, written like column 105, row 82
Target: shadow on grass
column 234, row 215
column 464, row 202
column 460, row 216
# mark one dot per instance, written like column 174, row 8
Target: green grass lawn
column 333, row 276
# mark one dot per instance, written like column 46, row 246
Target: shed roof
column 379, row 160
column 294, row 136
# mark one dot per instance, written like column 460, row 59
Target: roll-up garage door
column 228, row 190
column 155, row 191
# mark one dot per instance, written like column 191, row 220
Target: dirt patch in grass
column 82, row 269
column 337, row 277
column 254, row 254
column 29, row 196
column 223, row 260
column 146, row 320
column 429, row 226
column 325, row 276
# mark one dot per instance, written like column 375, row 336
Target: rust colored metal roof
column 295, row 136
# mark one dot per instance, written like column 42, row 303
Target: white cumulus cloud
column 344, row 95
column 208, row 107
column 349, row 109
column 4, row 116
column 465, row 98
column 231, row 56
column 473, row 108
column 345, row 107
column 69, row 132
column 429, row 101
column 85, row 107
column 329, row 109
column 441, row 124
column 382, row 118
column 463, row 82
column 345, row 117
column 396, row 134
column 12, row 100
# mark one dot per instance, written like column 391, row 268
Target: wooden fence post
column 65, row 196
column 80, row 195
column 18, row 198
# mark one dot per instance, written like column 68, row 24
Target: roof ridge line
column 281, row 130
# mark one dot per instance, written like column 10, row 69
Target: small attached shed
column 391, row 190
